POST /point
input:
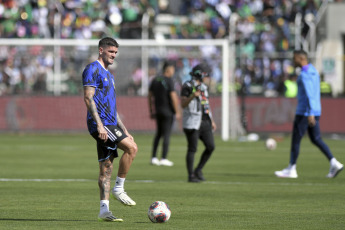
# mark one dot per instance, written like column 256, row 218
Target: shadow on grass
column 256, row 175
column 62, row 220
column 16, row 219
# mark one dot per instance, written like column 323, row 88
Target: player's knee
column 133, row 150
column 106, row 169
column 192, row 149
column 315, row 140
column 190, row 154
column 210, row 148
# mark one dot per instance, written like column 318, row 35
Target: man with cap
column 197, row 120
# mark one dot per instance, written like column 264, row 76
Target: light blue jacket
column 308, row 96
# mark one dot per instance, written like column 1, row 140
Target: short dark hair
column 301, row 52
column 108, row 41
column 167, row 64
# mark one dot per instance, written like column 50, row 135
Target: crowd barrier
column 60, row 114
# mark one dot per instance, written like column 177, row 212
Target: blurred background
column 45, row 45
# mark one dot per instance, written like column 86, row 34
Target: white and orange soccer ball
column 271, row 144
column 159, row 212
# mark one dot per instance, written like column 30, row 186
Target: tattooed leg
column 105, row 170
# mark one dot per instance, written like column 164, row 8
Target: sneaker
column 123, row 198
column 108, row 216
column 198, row 174
column 193, row 179
column 286, row 173
column 166, row 162
column 155, row 161
column 335, row 168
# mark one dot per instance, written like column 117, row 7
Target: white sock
column 333, row 161
column 104, row 206
column 119, row 184
column 292, row 167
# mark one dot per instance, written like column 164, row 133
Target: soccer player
column 106, row 127
column 163, row 104
column 307, row 117
column 197, row 120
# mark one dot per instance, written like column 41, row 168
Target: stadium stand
column 265, row 27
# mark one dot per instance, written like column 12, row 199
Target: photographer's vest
column 192, row 114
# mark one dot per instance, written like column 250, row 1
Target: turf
column 241, row 191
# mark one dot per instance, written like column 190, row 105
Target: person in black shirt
column 197, row 120
column 163, row 104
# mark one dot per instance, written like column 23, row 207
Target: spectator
column 263, row 26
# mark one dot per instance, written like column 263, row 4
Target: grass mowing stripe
column 241, row 191
column 170, row 181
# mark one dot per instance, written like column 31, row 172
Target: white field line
column 43, row 180
column 153, row 181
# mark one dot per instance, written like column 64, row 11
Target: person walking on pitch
column 307, row 117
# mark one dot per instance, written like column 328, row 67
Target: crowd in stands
column 263, row 27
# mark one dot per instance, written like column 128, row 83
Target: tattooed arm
column 89, row 92
column 122, row 126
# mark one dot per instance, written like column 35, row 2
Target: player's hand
column 129, row 136
column 102, row 133
column 152, row 116
column 311, row 121
column 178, row 115
column 197, row 93
column 214, row 126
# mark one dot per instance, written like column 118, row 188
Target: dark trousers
column 164, row 124
column 205, row 134
column 300, row 126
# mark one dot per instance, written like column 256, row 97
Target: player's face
column 170, row 71
column 206, row 80
column 108, row 54
column 297, row 60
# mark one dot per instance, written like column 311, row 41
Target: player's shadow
column 247, row 175
column 48, row 220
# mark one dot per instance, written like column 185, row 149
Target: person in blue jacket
column 307, row 117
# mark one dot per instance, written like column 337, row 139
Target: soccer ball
column 271, row 144
column 159, row 212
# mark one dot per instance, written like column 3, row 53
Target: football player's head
column 300, row 58
column 200, row 71
column 168, row 69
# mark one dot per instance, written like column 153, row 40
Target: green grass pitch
column 241, row 191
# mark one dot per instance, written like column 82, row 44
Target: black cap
column 200, row 71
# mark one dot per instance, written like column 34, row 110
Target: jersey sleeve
column 170, row 85
column 310, row 91
column 152, row 84
column 89, row 78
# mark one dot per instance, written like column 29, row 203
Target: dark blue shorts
column 108, row 148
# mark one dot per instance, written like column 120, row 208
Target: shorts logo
column 118, row 133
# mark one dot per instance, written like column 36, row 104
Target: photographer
column 197, row 120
